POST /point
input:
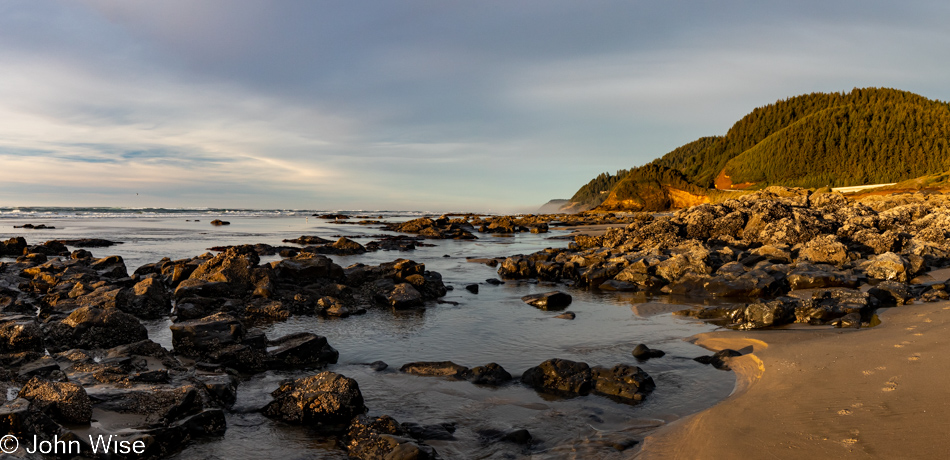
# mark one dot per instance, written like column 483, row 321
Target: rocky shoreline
column 74, row 349
column 793, row 255
column 80, row 363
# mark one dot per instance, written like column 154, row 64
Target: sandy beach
column 826, row 393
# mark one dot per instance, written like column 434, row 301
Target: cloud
column 421, row 104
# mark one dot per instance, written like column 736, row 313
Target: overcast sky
column 427, row 105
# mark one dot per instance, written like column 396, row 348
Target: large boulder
column 201, row 336
column 326, row 401
column 150, row 299
column 66, row 402
column 91, row 327
column 307, row 268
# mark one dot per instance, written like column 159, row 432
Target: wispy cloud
column 410, row 104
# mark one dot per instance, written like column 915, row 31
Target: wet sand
column 826, row 393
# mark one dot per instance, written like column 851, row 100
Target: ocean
column 473, row 329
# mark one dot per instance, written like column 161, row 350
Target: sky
column 411, row 105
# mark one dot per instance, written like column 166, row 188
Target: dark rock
column 305, row 240
column 808, row 276
column 891, row 293
column 490, row 374
column 494, row 281
column 440, row 431
column 559, row 376
column 521, row 437
column 643, row 352
column 90, row 327
column 436, row 368
column 473, row 288
column 624, row 382
column 768, row 314
column 88, row 243
column 378, row 366
column 307, row 268
column 852, row 320
column 301, row 350
column 719, row 360
column 403, row 296
column 20, row 335
column 616, row 285
column 64, row 401
column 326, row 401
column 201, row 336
column 554, row 300
column 149, row 299
column 219, row 222
column 566, row 315
column 383, row 438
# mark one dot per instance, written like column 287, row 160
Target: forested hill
column 866, row 136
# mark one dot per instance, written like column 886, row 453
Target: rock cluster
column 86, row 312
column 762, row 246
column 623, row 382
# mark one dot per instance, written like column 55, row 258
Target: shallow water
column 492, row 326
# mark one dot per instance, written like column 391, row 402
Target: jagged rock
column 473, row 288
column 66, row 402
column 807, row 276
column 326, row 402
column 20, row 334
column 149, row 299
column 891, row 293
column 849, row 320
column 91, row 327
column 559, row 376
column 383, row 438
column 825, row 249
column 307, row 268
column 401, row 297
column 768, row 314
column 201, row 336
column 554, row 300
column 888, row 266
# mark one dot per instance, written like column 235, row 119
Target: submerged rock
column 548, row 300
